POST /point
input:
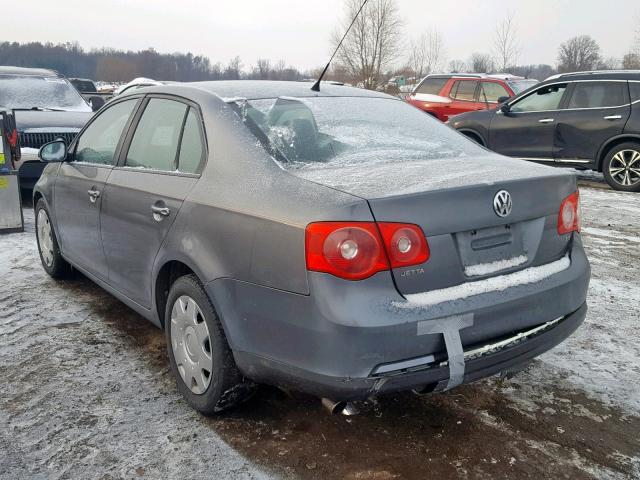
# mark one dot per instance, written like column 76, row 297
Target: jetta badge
column 502, row 203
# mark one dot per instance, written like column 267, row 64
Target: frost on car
column 340, row 243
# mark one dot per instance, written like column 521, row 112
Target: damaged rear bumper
column 421, row 377
column 349, row 340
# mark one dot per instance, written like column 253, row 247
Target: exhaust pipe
column 339, row 407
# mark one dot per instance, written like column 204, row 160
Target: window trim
column 116, row 155
column 121, row 163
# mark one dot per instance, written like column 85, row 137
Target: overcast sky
column 298, row 31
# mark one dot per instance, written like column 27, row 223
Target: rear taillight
column 569, row 215
column 406, row 244
column 358, row 250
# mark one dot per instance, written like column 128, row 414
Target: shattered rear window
column 348, row 131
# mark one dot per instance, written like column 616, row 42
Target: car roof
column 256, row 89
column 598, row 75
column 34, row 72
column 489, row 76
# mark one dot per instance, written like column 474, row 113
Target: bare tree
column 631, row 61
column 373, row 44
column 505, row 43
column 457, row 66
column 427, row 53
column 263, row 67
column 609, row 63
column 481, row 63
column 578, row 53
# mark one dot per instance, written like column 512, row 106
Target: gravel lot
column 85, row 392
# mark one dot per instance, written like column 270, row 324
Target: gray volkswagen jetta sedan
column 340, row 243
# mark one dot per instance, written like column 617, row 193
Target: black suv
column 584, row 120
column 46, row 107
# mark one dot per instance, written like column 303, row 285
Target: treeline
column 113, row 65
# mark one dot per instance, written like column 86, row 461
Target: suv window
column 492, row 91
column 464, row 90
column 598, row 94
column 431, row 86
column 634, row 88
column 99, row 141
column 155, row 142
column 544, row 98
column 191, row 145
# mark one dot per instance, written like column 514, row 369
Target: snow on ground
column 86, row 392
column 602, row 358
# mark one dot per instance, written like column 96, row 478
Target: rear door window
column 431, row 86
column 543, row 99
column 492, row 91
column 598, row 95
column 155, row 142
column 464, row 90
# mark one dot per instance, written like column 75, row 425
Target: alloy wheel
column 624, row 167
column 45, row 237
column 191, row 344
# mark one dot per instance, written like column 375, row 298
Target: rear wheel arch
column 611, row 144
column 170, row 271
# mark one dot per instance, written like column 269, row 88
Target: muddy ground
column 86, row 392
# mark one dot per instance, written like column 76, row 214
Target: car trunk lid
column 468, row 240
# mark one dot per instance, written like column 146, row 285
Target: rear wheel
column 201, row 360
column 621, row 167
column 50, row 255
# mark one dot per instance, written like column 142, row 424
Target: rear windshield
column 521, row 85
column 303, row 132
column 22, row 92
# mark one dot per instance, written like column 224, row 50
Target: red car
column 446, row 95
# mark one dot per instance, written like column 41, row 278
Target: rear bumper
column 339, row 388
column 335, row 341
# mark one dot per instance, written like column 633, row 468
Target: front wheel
column 621, row 167
column 200, row 357
column 50, row 255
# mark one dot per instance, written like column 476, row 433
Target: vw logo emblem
column 502, row 203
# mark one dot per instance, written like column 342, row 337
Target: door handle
column 613, row 117
column 93, row 194
column 546, row 120
column 159, row 212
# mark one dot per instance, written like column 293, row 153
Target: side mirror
column 55, row 151
column 505, row 108
column 503, row 99
column 96, row 103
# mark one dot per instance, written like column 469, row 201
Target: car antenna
column 316, row 86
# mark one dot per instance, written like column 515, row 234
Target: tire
column 50, row 256
column 621, row 167
column 188, row 330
